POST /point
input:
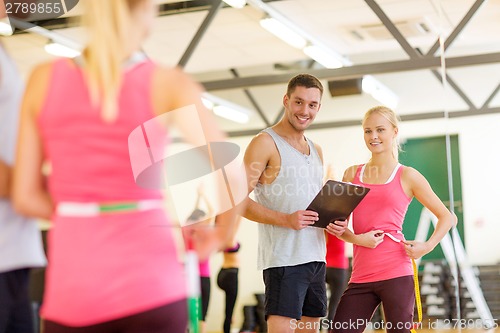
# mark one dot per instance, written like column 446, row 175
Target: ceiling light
column 60, row 50
column 322, row 56
column 231, row 114
column 226, row 109
column 5, row 28
column 295, row 35
column 236, row 3
column 208, row 103
column 380, row 92
column 283, row 32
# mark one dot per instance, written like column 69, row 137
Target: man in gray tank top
column 285, row 172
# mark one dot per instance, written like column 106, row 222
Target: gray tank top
column 20, row 240
column 299, row 180
column 11, row 91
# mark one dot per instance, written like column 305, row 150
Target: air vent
column 409, row 28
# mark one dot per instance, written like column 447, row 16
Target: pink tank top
column 204, row 267
column 113, row 265
column 383, row 208
column 89, row 157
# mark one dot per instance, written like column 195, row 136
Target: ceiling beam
column 455, row 87
column 478, row 112
column 446, row 77
column 406, row 117
column 216, row 5
column 458, row 29
column 355, row 71
column 386, row 21
column 413, row 53
column 252, row 100
column 490, row 98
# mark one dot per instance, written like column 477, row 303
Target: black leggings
column 336, row 278
column 170, row 318
column 205, row 296
column 227, row 280
column 360, row 300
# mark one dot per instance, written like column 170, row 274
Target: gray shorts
column 296, row 291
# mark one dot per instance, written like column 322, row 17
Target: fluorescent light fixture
column 236, row 3
column 322, row 56
column 225, row 109
column 380, row 92
column 231, row 114
column 300, row 37
column 5, row 27
column 208, row 103
column 283, row 32
column 60, row 50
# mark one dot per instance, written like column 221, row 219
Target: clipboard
column 336, row 201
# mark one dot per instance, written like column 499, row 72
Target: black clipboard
column 336, row 201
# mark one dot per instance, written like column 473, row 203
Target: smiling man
column 285, row 171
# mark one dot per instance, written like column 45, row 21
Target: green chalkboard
column 428, row 156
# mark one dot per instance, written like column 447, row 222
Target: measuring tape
column 417, row 295
column 416, row 285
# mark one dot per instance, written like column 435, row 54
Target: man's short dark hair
column 303, row 80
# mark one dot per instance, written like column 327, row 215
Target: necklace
column 308, row 158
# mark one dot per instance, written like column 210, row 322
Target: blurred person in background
column 20, row 237
column 109, row 269
column 337, row 266
column 227, row 279
column 202, row 218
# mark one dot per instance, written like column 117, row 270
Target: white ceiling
column 235, row 39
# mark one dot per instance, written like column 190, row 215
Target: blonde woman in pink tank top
column 382, row 270
column 110, row 269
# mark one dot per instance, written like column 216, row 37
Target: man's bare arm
column 5, row 177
